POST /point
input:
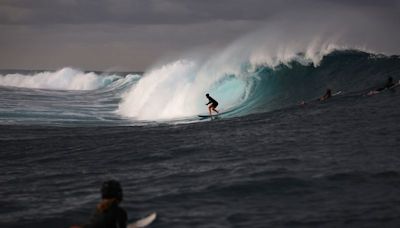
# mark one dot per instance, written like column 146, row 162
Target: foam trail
column 64, row 79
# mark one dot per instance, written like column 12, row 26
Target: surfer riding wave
column 212, row 104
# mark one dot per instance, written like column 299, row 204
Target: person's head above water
column 111, row 189
column 207, row 95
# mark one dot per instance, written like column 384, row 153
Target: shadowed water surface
column 332, row 164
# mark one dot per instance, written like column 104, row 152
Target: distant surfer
column 108, row 212
column 212, row 104
column 327, row 95
column 389, row 85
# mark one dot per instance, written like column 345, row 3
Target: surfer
column 327, row 95
column 389, row 84
column 108, row 212
column 212, row 104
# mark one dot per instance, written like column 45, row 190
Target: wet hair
column 111, row 189
column 207, row 95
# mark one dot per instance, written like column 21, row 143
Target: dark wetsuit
column 389, row 84
column 213, row 102
column 328, row 94
column 112, row 217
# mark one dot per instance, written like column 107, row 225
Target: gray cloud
column 109, row 11
column 133, row 34
column 27, row 12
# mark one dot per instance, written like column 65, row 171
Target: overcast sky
column 134, row 34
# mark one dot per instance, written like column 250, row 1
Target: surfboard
column 374, row 92
column 208, row 116
column 144, row 221
column 222, row 112
column 337, row 93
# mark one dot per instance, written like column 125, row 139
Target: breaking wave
column 177, row 90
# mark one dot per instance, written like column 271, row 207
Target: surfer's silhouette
column 389, row 85
column 212, row 104
column 108, row 212
column 327, row 95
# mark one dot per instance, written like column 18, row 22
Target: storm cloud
column 132, row 35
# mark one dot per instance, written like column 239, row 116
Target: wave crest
column 64, row 79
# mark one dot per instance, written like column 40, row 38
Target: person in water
column 212, row 104
column 389, row 85
column 108, row 213
column 327, row 95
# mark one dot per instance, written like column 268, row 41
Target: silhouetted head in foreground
column 111, row 190
column 108, row 213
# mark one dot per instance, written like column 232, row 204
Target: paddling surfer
column 108, row 212
column 389, row 85
column 327, row 95
column 212, row 104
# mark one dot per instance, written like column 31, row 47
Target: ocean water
column 266, row 162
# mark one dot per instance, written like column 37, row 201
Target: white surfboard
column 144, row 221
column 337, row 93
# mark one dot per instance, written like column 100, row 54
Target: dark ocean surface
column 325, row 164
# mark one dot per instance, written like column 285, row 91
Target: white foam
column 178, row 90
column 64, row 79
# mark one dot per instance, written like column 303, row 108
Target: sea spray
column 178, row 90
